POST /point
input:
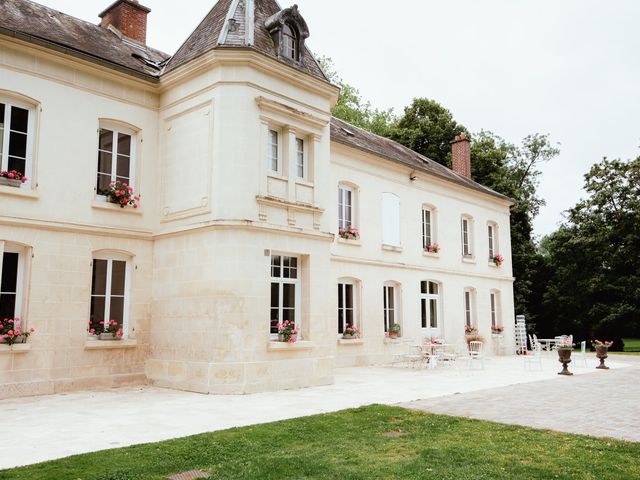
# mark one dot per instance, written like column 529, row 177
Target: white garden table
column 548, row 344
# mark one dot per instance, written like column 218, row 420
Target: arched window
column 116, row 155
column 290, row 42
column 110, row 291
column 13, row 258
column 429, row 230
column 430, row 308
column 469, row 308
column 466, row 234
column 17, row 132
column 391, row 304
column 492, row 237
column 347, row 205
column 348, row 304
column 494, row 301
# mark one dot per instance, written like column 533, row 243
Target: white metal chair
column 476, row 353
column 531, row 341
column 534, row 358
column 581, row 358
column 415, row 357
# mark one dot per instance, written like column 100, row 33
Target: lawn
column 631, row 345
column 375, row 442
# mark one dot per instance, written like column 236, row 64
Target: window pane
column 391, row 297
column 105, row 141
column 288, row 295
column 117, row 310
column 124, row 144
column 103, row 183
column 9, row 272
column 274, row 320
column 118, row 273
column 275, row 295
column 18, row 164
column 122, row 167
column 19, row 119
column 340, row 295
column 18, row 144
column 288, row 314
column 7, row 305
column 99, row 278
column 385, row 293
column 433, row 311
column 423, row 287
column 275, row 266
column 104, row 163
column 97, row 313
column 1, row 128
column 433, row 288
column 423, row 305
column 349, row 317
column 349, row 295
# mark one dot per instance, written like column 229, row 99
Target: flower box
column 346, row 336
column 10, row 182
column 109, row 337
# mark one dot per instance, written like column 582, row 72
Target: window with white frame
column 274, row 152
column 430, row 305
column 17, row 121
column 492, row 231
column 390, row 302
column 290, row 40
column 469, row 308
column 12, row 265
column 285, row 291
column 495, row 310
column 116, row 156
column 467, row 236
column 110, row 286
column 428, row 227
column 301, row 159
column 347, row 307
column 346, row 201
column 390, row 219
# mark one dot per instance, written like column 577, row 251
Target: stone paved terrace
column 603, row 404
column 55, row 426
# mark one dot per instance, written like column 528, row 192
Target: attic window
column 290, row 42
column 288, row 31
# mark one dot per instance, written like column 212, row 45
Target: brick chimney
column 461, row 155
column 129, row 17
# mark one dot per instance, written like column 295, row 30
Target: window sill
column 391, row 248
column 24, row 192
column 277, row 176
column 471, row 260
column 391, row 341
column 305, row 183
column 114, row 207
column 355, row 243
column 431, row 254
column 287, row 347
column 354, row 341
column 15, row 348
column 109, row 344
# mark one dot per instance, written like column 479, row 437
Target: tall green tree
column 351, row 107
column 594, row 257
column 427, row 128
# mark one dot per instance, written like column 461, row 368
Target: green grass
column 352, row 445
column 631, row 346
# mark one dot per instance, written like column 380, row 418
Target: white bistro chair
column 533, row 358
column 476, row 353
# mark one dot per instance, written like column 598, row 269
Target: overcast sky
column 570, row 68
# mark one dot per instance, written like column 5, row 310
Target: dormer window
column 290, row 42
column 288, row 31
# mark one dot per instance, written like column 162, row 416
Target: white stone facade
column 199, row 249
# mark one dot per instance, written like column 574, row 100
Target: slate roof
column 207, row 35
column 44, row 26
column 354, row 137
column 35, row 23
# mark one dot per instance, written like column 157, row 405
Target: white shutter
column 390, row 219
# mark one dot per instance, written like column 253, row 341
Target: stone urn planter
column 109, row 337
column 11, row 182
column 564, row 357
column 602, row 353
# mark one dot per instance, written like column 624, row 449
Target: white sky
column 569, row 68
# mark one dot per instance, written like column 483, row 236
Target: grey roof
column 44, row 26
column 249, row 31
column 354, row 137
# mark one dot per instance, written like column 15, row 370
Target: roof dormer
column 288, row 31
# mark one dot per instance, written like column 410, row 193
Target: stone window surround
column 117, row 126
column 426, row 297
column 495, row 308
column 355, row 301
column 468, row 232
column 469, row 306
column 281, row 281
column 127, row 257
column 397, row 308
column 493, row 239
column 433, row 225
column 15, row 99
